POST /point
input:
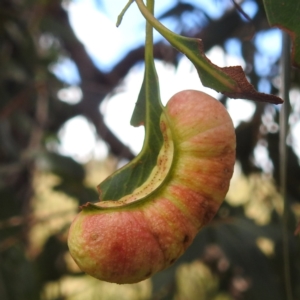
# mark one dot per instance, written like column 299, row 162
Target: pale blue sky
column 95, row 27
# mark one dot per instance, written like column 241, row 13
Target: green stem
column 121, row 15
column 150, row 70
column 164, row 31
column 180, row 43
column 149, row 35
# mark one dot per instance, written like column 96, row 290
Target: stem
column 150, row 70
column 148, row 14
column 283, row 119
column 184, row 44
column 121, row 15
column 149, row 34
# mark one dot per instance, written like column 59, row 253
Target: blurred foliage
column 238, row 256
column 283, row 14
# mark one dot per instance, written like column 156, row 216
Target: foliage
column 147, row 112
column 283, row 14
column 240, row 250
column 228, row 80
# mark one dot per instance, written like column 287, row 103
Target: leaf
column 285, row 15
column 63, row 166
column 127, row 179
column 77, row 190
column 147, row 112
column 237, row 237
column 230, row 81
column 18, row 275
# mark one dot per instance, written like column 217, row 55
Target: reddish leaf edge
column 232, row 81
column 243, row 89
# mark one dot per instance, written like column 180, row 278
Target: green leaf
column 139, row 114
column 19, row 278
column 231, row 81
column 61, row 165
column 121, row 15
column 285, row 15
column 76, row 189
column 147, row 112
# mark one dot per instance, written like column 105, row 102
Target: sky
column 94, row 24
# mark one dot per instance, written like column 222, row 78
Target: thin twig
column 33, row 220
column 241, row 11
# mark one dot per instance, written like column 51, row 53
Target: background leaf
column 285, row 15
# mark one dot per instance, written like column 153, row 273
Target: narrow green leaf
column 121, row 15
column 231, row 81
column 139, row 114
column 285, row 15
column 148, row 111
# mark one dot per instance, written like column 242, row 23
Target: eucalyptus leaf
column 230, row 81
column 147, row 112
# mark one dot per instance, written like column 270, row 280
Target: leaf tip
column 87, row 207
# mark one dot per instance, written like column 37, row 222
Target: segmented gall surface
column 129, row 241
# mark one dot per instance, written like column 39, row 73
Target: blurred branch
column 101, row 83
column 241, row 11
column 284, row 116
column 30, row 218
column 27, row 221
column 41, row 116
column 17, row 101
